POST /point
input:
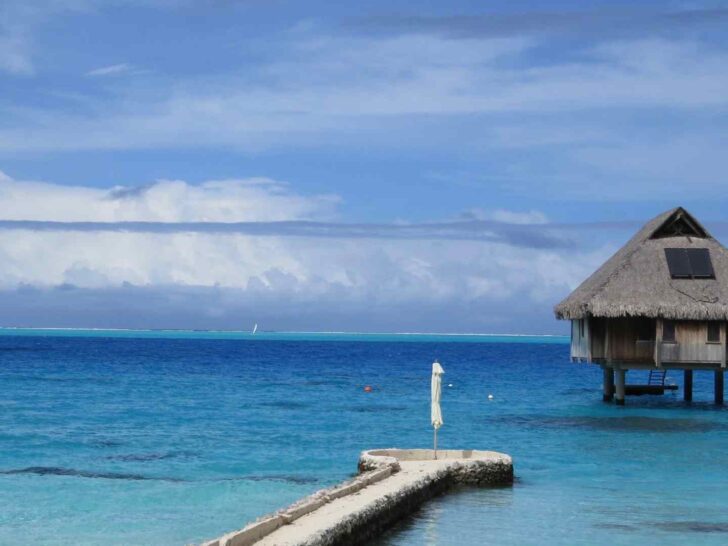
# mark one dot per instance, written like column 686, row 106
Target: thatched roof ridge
column 636, row 280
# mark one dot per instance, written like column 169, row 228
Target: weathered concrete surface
column 392, row 483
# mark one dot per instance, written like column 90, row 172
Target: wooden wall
column 598, row 330
column 632, row 340
column 691, row 344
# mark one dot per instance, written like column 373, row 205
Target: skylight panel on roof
column 700, row 263
column 678, row 263
column 689, row 263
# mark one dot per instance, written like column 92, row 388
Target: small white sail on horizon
column 255, row 328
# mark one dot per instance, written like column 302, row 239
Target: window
column 689, row 263
column 713, row 332
column 668, row 331
column 680, row 225
column 645, row 329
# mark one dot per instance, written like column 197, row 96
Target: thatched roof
column 636, row 281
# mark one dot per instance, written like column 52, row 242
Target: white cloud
column 321, row 273
column 111, row 70
column 20, row 21
column 248, row 200
column 14, row 40
column 13, row 54
column 507, row 216
column 324, row 87
column 559, row 128
column 366, row 270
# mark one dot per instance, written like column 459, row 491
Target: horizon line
column 249, row 332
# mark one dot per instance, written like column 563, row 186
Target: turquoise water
column 170, row 438
column 279, row 336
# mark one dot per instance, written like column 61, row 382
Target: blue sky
column 385, row 165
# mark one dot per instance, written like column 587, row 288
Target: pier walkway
column 391, row 484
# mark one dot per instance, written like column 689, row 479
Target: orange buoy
column 367, row 389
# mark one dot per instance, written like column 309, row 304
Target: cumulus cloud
column 241, row 273
column 246, row 200
column 258, row 275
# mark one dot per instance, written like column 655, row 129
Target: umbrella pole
column 435, row 442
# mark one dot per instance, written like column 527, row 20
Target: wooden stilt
column 620, row 386
column 718, row 386
column 688, row 386
column 608, row 384
column 658, row 343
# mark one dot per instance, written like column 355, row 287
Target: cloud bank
column 58, row 273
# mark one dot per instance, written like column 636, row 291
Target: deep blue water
column 173, row 438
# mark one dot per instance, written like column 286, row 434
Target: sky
column 355, row 166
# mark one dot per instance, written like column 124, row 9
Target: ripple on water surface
column 172, row 441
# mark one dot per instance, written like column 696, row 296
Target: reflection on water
column 453, row 518
column 474, row 517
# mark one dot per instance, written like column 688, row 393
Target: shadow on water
column 286, row 405
column 624, row 527
column 55, row 379
column 472, row 499
column 691, row 526
column 106, row 443
column 376, row 409
column 284, row 478
column 59, row 471
column 632, row 423
column 581, row 390
column 72, row 472
column 25, row 349
column 668, row 526
column 147, row 457
column 325, row 382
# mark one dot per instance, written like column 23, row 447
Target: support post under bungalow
column 719, row 386
column 658, row 343
column 688, row 386
column 608, row 384
column 620, row 386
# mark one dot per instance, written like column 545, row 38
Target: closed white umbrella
column 436, row 412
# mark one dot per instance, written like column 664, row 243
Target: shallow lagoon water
column 171, row 438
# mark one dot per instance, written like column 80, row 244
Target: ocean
column 170, row 438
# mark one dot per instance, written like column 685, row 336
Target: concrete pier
column 391, row 484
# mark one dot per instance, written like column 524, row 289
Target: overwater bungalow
column 660, row 303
